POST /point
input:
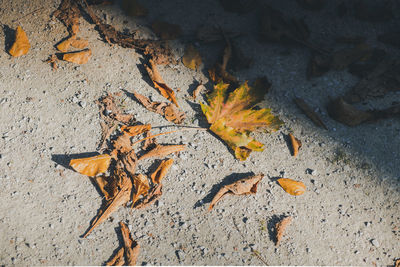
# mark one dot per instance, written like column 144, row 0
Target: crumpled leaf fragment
column 121, row 198
column 296, row 144
column 197, row 91
column 162, row 150
column 280, row 228
column 161, row 171
column 232, row 117
column 122, row 144
column 109, row 108
column 53, row 61
column 68, row 12
column 141, row 185
column 292, row 187
column 165, row 30
column 80, row 57
column 128, row 254
column 21, row 44
column 159, row 83
column 153, row 195
column 91, row 166
column 136, row 129
column 191, row 59
column 72, row 41
column 130, row 161
column 244, row 186
column 310, row 113
column 149, row 143
column 169, row 111
column 107, row 185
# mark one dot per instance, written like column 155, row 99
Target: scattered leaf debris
column 79, row 57
column 21, row 44
column 244, row 186
column 281, row 227
column 162, row 150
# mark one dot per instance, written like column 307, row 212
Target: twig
column 255, row 252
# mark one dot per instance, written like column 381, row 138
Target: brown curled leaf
column 162, row 151
column 21, row 44
column 130, row 161
column 149, row 142
column 136, row 129
column 141, row 185
column 122, row 144
column 244, row 186
column 310, row 113
column 168, row 110
column 292, row 187
column 159, row 83
column 153, row 195
column 68, row 12
column 107, row 185
column 117, row 259
column 296, row 144
column 80, row 57
column 161, row 171
column 91, row 166
column 109, row 108
column 280, row 228
column 131, row 247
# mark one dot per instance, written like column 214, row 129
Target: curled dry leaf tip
column 292, row 187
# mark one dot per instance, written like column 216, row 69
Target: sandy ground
column 348, row 216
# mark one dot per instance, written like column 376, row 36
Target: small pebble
column 180, row 254
column 82, row 104
column 375, row 243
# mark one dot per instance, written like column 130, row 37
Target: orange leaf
column 162, row 150
column 117, row 259
column 296, row 144
column 153, row 195
column 131, row 247
column 79, row 43
column 280, row 228
column 72, row 41
column 244, row 186
column 141, row 187
column 91, row 166
column 159, row 83
column 136, row 130
column 80, row 57
column 292, row 187
column 21, row 44
column 161, row 171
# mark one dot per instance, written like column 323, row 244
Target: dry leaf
column 296, row 144
column 397, row 263
column 198, row 89
column 159, row 83
column 117, row 259
column 21, row 44
column 53, row 61
column 310, row 113
column 121, row 198
column 162, row 151
column 153, row 195
column 161, row 171
column 136, row 130
column 80, row 57
column 122, row 144
column 130, row 161
column 292, row 187
column 131, row 247
column 68, row 12
column 165, row 30
column 72, row 41
column 91, row 166
column 232, row 117
column 141, row 185
column 109, row 107
column 191, row 59
column 241, row 187
column 169, row 111
column 108, row 186
column 64, row 45
column 149, row 142
column 280, row 228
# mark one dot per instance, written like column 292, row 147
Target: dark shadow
column 227, row 180
column 142, row 69
column 9, row 37
column 288, row 143
column 63, row 159
column 271, row 226
column 120, row 241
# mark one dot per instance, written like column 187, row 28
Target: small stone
column 375, row 243
column 246, row 249
column 82, row 104
column 180, row 254
column 196, row 122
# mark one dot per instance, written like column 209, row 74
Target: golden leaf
column 141, row 185
column 136, row 130
column 80, row 57
column 292, row 187
column 91, row 166
column 162, row 150
column 21, row 44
